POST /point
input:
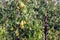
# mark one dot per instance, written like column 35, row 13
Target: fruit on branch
column 21, row 5
column 22, row 24
column 16, row 32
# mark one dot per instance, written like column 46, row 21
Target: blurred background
column 24, row 19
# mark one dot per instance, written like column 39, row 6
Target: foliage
column 24, row 20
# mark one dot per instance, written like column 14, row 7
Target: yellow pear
column 16, row 32
column 21, row 5
column 22, row 24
